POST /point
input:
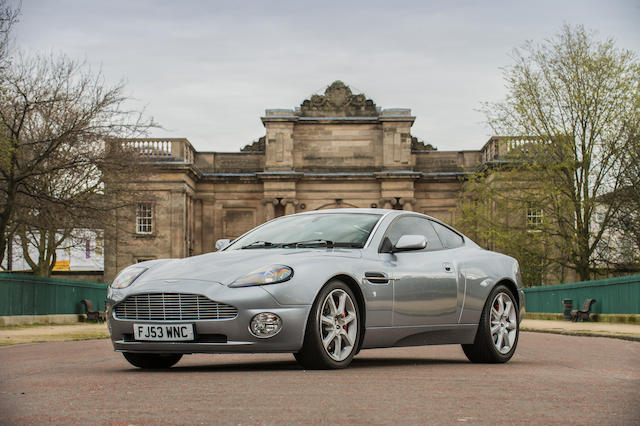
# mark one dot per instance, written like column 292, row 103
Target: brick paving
column 552, row 379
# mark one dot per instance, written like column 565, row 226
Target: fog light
column 265, row 324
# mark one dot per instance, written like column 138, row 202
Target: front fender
column 309, row 277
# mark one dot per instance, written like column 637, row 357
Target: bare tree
column 8, row 17
column 60, row 120
column 579, row 98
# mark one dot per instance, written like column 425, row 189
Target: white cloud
column 207, row 70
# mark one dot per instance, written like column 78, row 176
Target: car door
column 425, row 286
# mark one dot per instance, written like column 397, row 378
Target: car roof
column 367, row 211
column 387, row 212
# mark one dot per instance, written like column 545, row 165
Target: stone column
column 386, row 203
column 290, row 206
column 407, row 203
column 178, row 223
column 396, row 138
column 279, row 139
column 269, row 209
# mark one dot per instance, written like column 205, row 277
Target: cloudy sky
column 207, row 70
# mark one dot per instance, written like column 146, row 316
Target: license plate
column 163, row 332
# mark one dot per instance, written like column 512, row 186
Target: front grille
column 171, row 307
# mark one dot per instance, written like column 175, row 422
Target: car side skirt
column 381, row 337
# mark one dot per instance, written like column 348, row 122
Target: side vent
column 376, row 277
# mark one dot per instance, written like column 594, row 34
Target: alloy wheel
column 504, row 322
column 338, row 324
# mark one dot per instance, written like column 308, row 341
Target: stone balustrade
column 498, row 146
column 163, row 149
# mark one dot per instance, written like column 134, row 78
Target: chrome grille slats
column 172, row 307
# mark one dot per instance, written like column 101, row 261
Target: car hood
column 226, row 266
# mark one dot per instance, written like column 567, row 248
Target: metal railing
column 613, row 296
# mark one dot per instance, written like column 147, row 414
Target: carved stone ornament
column 418, row 145
column 256, row 146
column 338, row 101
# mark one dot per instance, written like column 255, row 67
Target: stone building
column 336, row 150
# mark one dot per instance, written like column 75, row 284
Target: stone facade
column 336, row 150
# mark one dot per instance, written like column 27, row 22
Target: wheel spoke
column 347, row 338
column 350, row 317
column 337, row 349
column 507, row 307
column 499, row 342
column 494, row 313
column 332, row 305
column 500, row 304
column 494, row 328
column 326, row 320
column 511, row 326
column 342, row 299
column 326, row 341
column 505, row 339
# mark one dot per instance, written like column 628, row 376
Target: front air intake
column 172, row 307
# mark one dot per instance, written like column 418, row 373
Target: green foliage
column 577, row 101
column 493, row 211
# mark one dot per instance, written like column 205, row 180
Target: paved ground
column 552, row 379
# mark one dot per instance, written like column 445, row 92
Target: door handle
column 447, row 266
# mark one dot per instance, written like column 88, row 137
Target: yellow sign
column 61, row 265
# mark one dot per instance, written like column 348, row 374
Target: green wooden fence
column 613, row 296
column 27, row 295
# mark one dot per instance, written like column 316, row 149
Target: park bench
column 583, row 313
column 92, row 313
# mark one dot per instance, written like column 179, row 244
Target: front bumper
column 215, row 336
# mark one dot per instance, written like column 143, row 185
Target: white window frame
column 535, row 216
column 144, row 218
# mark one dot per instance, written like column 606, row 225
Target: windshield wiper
column 327, row 243
column 260, row 244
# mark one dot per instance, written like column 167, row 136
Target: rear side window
column 411, row 225
column 449, row 238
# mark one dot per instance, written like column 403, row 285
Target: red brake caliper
column 344, row 314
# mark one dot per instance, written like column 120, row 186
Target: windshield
column 311, row 230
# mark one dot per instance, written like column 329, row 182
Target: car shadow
column 292, row 365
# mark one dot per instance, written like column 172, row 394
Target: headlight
column 128, row 276
column 268, row 275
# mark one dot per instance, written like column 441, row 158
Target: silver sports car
column 322, row 285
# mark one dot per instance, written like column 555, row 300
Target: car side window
column 411, row 225
column 449, row 238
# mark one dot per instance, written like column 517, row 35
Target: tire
column 156, row 361
column 502, row 312
column 334, row 317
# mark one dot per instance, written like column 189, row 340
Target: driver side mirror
column 410, row 242
column 222, row 244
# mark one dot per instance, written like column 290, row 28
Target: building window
column 534, row 216
column 144, row 218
